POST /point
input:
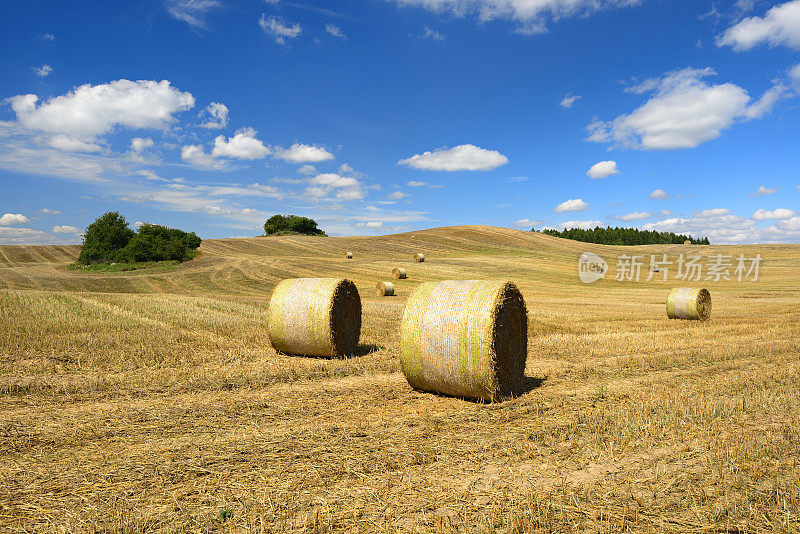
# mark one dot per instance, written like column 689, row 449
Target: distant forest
column 624, row 236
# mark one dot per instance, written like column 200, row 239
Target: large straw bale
column 419, row 257
column 689, row 303
column 399, row 273
column 315, row 317
column 384, row 289
column 466, row 338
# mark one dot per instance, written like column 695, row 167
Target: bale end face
column 384, row 289
column 419, row 257
column 465, row 338
column 689, row 303
column 315, row 317
column 399, row 273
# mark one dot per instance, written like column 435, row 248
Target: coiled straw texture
column 315, row 317
column 465, row 338
column 689, row 303
column 399, row 273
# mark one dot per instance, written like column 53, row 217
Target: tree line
column 624, row 236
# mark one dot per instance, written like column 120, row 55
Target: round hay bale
column 315, row 317
column 419, row 257
column 349, row 255
column 687, row 242
column 384, row 289
column 689, row 303
column 466, row 338
column 399, row 273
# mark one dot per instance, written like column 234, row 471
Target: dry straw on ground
column 399, row 273
column 689, row 303
column 465, row 338
column 315, row 317
column 419, row 257
column 349, row 255
column 384, row 289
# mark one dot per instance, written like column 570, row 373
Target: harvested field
column 152, row 400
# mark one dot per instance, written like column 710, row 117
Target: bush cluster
column 109, row 240
column 291, row 224
column 624, row 236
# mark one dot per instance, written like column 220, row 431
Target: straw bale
column 466, row 338
column 384, row 289
column 689, row 303
column 399, row 273
column 315, row 317
column 419, row 257
column 349, row 255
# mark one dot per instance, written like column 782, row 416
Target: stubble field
column 152, row 400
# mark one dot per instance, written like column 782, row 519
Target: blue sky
column 381, row 116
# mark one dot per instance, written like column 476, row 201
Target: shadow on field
column 363, row 349
column 528, row 384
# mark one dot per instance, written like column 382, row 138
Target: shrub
column 105, row 239
column 291, row 224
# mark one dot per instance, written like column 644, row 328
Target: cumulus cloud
column 659, row 194
column 458, row 158
column 342, row 187
column 307, row 169
column 526, row 223
column 13, row 218
column 67, row 143
column 192, row 12
column 761, row 191
column 195, row 155
column 716, row 212
column 370, row 224
column 139, row 144
column 584, row 225
column 573, row 204
column 776, row 214
column 334, row 31
column 780, row 26
column 635, row 216
column 66, row 230
column 278, row 30
column 92, row 110
column 217, row 116
column 24, row 236
column 532, row 15
column 299, row 153
column 569, row 100
column 48, row 211
column 602, row 169
column 243, row 145
column 43, row 71
column 684, row 112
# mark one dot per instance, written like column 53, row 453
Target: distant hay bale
column 315, row 317
column 419, row 257
column 466, row 338
column 689, row 303
column 384, row 289
column 399, row 273
column 687, row 242
column 349, row 255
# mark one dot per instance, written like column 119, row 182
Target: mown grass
column 144, row 401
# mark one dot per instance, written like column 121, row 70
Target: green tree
column 291, row 224
column 154, row 242
column 105, row 239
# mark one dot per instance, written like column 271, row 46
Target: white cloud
column 192, row 12
column 573, row 204
column 723, row 227
column 345, row 187
column 569, row 100
column 585, row 225
column 67, row 143
column 48, row 37
column 218, row 116
column 299, row 153
column 526, row 223
column 761, row 191
column 334, row 31
column 66, row 230
column 716, row 212
column 780, row 26
column 13, row 218
column 432, row 34
column 659, row 194
column 531, row 14
column 26, row 236
column 333, row 180
column 243, row 145
column 307, row 169
column 602, row 169
column 49, row 211
column 370, row 224
column 415, row 183
column 635, row 216
column 195, row 155
column 278, row 30
column 794, row 73
column 397, row 195
column 92, row 110
column 780, row 213
column 684, row 112
column 458, row 158
column 141, row 143
column 43, row 71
